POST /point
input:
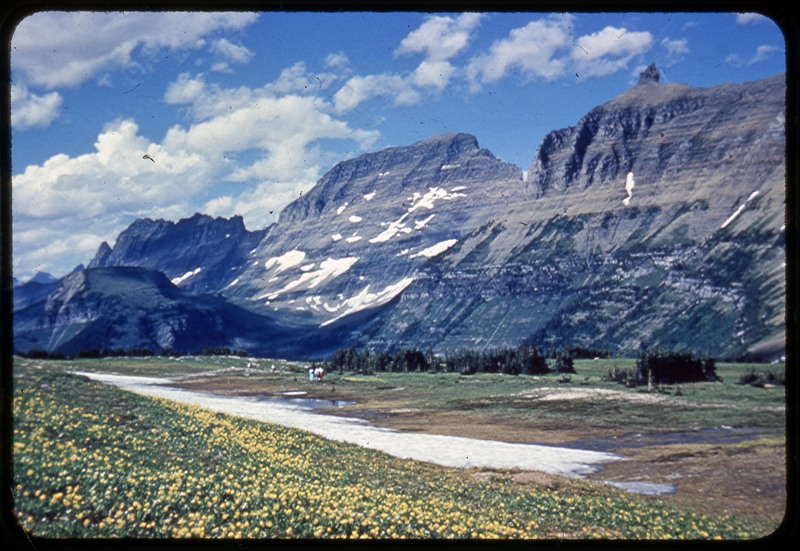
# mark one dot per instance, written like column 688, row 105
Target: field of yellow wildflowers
column 94, row 461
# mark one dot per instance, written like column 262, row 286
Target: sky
column 240, row 113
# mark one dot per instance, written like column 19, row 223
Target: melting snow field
column 433, row 250
column 184, row 277
column 418, row 201
column 449, row 451
column 629, row 184
column 287, row 260
column 365, row 299
column 738, row 211
column 328, row 269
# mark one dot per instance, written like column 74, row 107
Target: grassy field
column 93, row 461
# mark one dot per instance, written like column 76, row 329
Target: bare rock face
column 679, row 142
column 658, row 220
column 651, row 74
column 200, row 254
column 355, row 241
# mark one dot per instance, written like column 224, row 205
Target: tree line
column 664, row 366
column 131, row 352
column 652, row 367
column 528, row 360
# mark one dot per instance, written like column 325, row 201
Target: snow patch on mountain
column 629, row 183
column 355, row 219
column 435, row 249
column 184, row 277
column 365, row 299
column 232, row 283
column 287, row 260
column 738, row 211
column 428, row 200
column 419, row 224
column 418, row 201
column 391, row 231
column 369, row 196
column 314, row 302
column 328, row 269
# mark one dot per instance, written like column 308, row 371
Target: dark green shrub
column 753, row 378
column 564, row 363
column 663, row 366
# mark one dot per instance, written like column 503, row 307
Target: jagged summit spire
column 651, row 74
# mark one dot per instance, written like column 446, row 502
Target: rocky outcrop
column 679, row 142
column 200, row 254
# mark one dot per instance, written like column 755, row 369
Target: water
column 717, row 435
column 305, row 403
column 644, row 488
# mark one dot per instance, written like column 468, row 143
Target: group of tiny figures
column 315, row 374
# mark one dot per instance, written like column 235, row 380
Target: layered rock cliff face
column 197, row 254
column 657, row 220
column 356, row 240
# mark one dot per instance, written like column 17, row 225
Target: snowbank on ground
column 450, row 451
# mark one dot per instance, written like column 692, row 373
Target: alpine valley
column 656, row 221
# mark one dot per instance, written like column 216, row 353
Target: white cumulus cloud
column 93, row 196
column 609, row 50
column 763, row 53
column 361, row 88
column 31, row 110
column 676, row 49
column 750, row 18
column 532, row 49
column 55, row 49
column 440, row 37
column 433, row 74
column 231, row 52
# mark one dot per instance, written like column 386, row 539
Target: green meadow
column 93, row 461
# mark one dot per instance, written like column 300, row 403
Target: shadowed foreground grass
column 94, row 461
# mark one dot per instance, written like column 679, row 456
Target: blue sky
column 241, row 112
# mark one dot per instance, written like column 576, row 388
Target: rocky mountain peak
column 661, row 135
column 395, row 171
column 42, row 277
column 196, row 253
column 651, row 74
column 101, row 256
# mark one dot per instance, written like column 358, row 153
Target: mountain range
column 657, row 220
